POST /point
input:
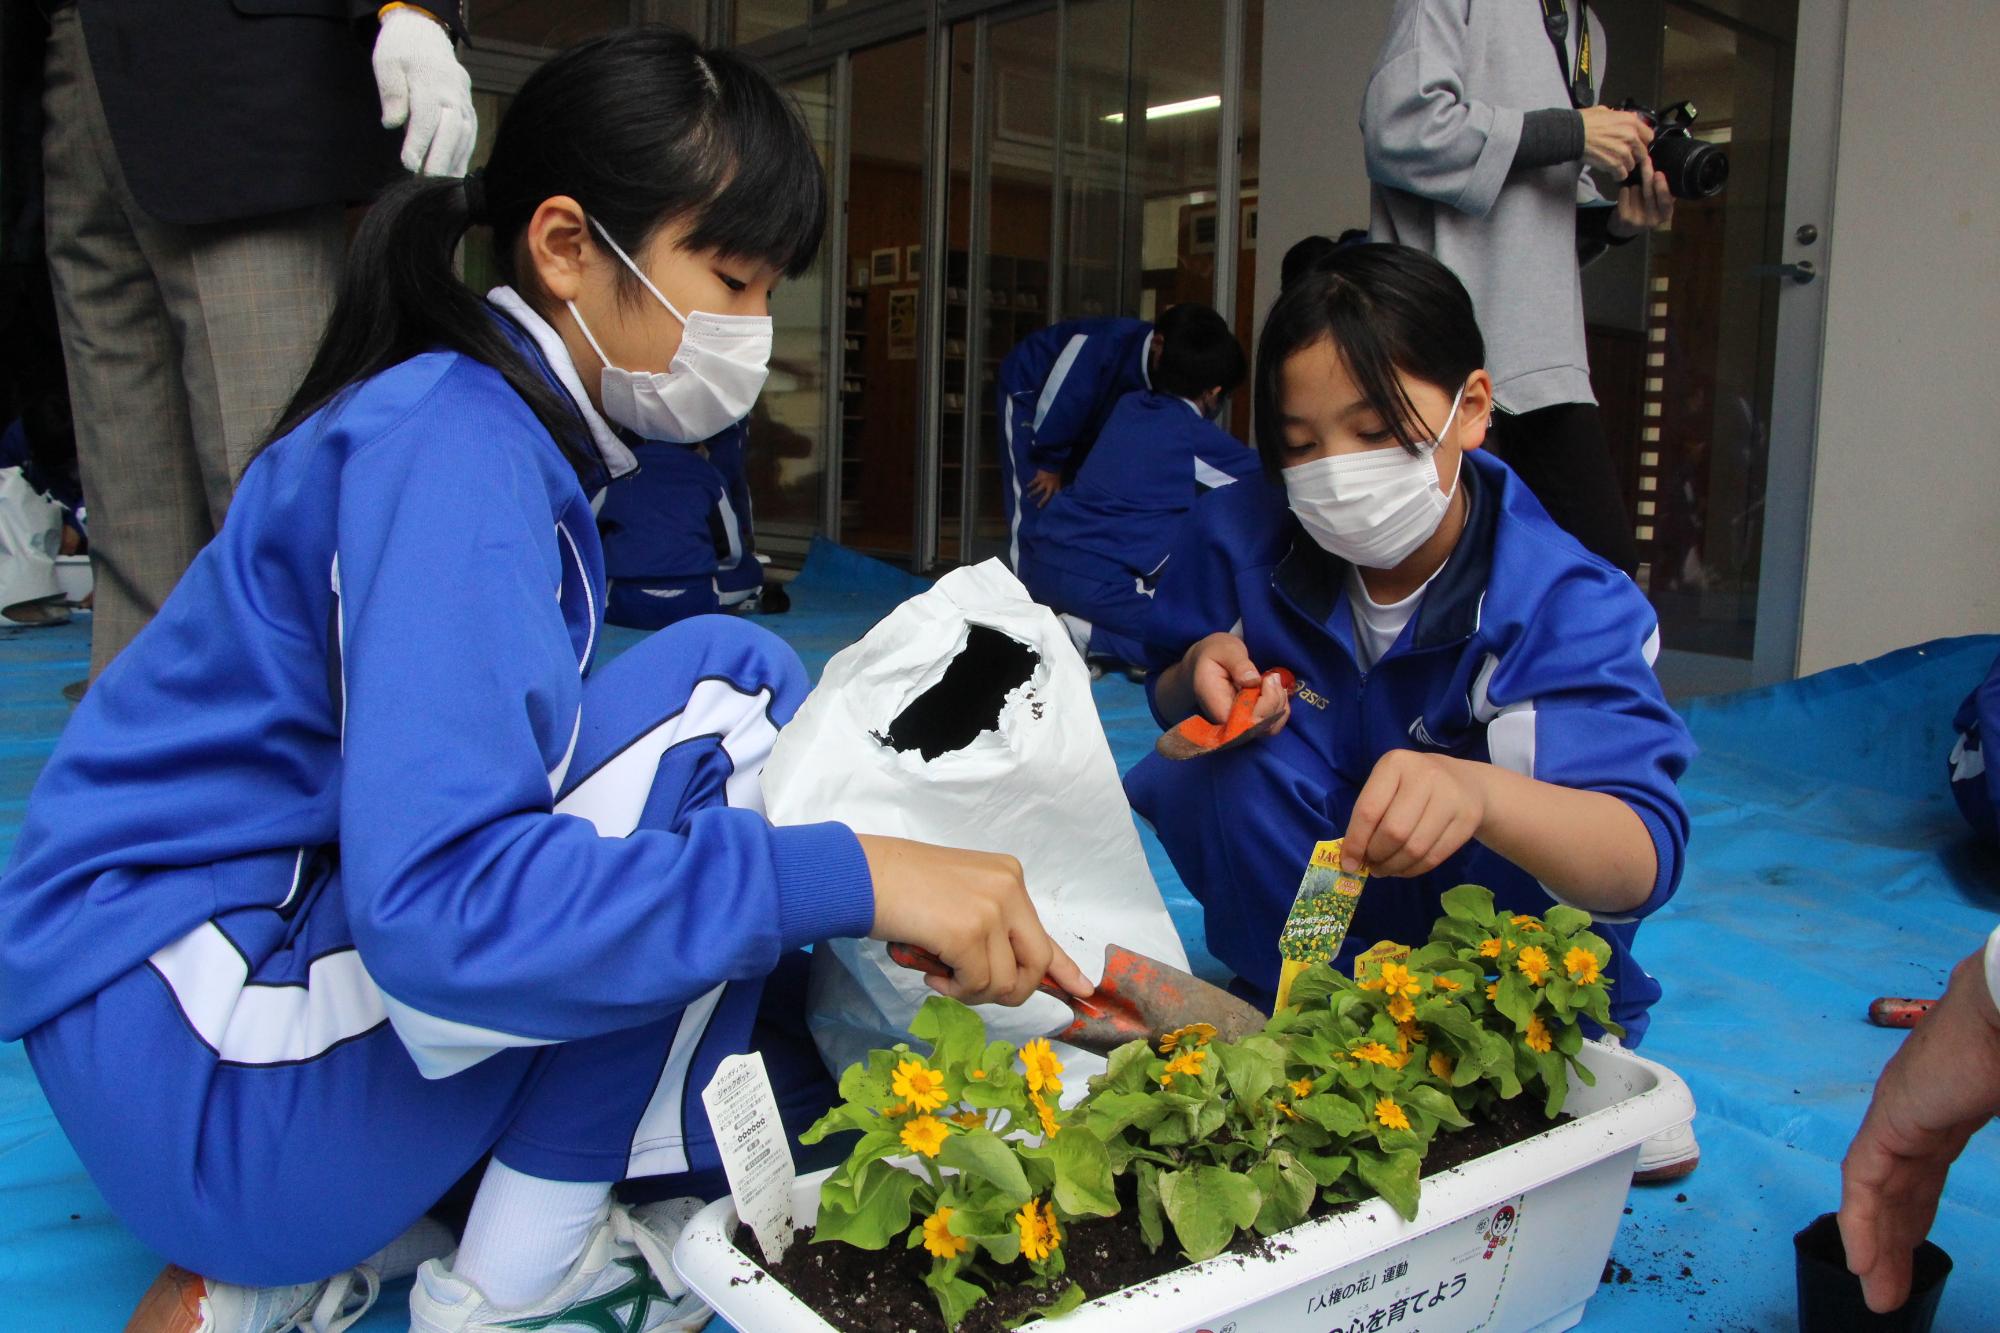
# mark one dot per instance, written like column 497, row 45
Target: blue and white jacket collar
column 618, row 457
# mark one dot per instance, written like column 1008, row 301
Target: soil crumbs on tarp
column 883, row 1291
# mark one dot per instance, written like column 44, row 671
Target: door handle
column 1802, row 272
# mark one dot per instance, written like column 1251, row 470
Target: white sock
column 525, row 1233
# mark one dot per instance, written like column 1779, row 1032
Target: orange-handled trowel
column 1138, row 999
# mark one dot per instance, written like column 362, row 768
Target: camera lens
column 1694, row 170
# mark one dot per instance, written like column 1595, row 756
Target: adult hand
column 972, row 910
column 423, row 85
column 1644, row 207
column 1938, row 1090
column 1615, row 140
column 1415, row 810
column 1044, row 485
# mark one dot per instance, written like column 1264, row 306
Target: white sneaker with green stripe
column 624, row 1282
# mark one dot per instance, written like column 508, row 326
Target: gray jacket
column 1443, row 120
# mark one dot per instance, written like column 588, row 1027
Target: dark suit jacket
column 230, row 109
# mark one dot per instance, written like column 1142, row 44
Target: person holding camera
column 1481, row 123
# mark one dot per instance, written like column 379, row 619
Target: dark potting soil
column 884, row 1291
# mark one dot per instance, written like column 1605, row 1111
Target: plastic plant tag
column 749, row 1136
column 1320, row 915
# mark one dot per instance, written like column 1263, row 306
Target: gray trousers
column 182, row 342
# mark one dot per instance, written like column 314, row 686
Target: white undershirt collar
column 618, row 459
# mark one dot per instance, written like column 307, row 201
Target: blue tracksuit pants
column 286, row 1171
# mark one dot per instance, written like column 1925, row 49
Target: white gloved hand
column 422, row 84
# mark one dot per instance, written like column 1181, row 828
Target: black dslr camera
column 1694, row 170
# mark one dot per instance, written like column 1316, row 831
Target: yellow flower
column 970, row 1119
column 1534, row 964
column 1399, row 980
column 1489, row 948
column 926, row 1134
column 1195, row 1034
column 1049, row 1125
column 1445, row 983
column 979, row 1075
column 1526, row 922
column 1401, row 1009
column 1407, row 1033
column 1441, row 1064
column 899, row 1109
column 1390, row 1114
column 1039, row 1236
column 938, row 1238
column 1289, row 1112
column 918, row 1083
column 1375, row 1053
column 1492, row 990
column 1044, row 1070
column 1187, row 1062
column 1302, row 1088
column 1538, row 1036
column 1582, row 966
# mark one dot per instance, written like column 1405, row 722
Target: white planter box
column 1512, row 1242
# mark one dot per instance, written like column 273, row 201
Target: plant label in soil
column 750, row 1137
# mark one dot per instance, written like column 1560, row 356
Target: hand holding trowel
column 1198, row 736
column 1138, row 999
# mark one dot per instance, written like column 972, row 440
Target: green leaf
column 843, row 1184
column 1287, row 1189
column 1083, row 1185
column 1127, row 1069
column 1468, row 902
column 1555, row 1074
column 1251, row 1072
column 1326, row 1168
column 1151, row 1228
column 1566, row 920
column 1437, row 1103
column 1393, row 1176
column 1072, row 1296
column 955, row 1296
column 1517, row 999
column 1333, row 1113
column 982, row 1153
column 881, row 1211
column 1208, row 1206
column 956, row 1034
column 1313, row 986
column 1460, row 934
column 867, row 1085
column 840, row 1120
column 1107, row 1113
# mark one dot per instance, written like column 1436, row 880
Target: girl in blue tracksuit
column 1053, row 394
column 350, row 872
column 1975, row 784
column 1475, row 700
column 1098, row 546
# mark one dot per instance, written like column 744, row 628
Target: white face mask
column 1373, row 508
column 715, row 376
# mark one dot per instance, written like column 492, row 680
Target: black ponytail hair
column 643, row 127
column 1385, row 308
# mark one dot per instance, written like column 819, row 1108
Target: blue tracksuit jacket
column 1525, row 652
column 676, row 532
column 374, row 671
column 1053, row 394
column 1975, row 784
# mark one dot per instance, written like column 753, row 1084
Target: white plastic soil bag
column 965, row 719
column 30, row 538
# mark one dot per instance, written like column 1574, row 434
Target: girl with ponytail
column 350, row 877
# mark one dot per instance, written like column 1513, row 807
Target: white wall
column 1312, row 178
column 1904, row 542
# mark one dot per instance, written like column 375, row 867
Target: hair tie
column 475, row 198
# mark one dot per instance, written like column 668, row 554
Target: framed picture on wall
column 913, row 262
column 903, row 324
column 1247, row 237
column 1201, row 230
column 885, row 266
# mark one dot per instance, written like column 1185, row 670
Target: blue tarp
column 1828, row 866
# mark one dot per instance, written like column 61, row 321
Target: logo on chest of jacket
column 1421, row 734
column 1305, row 693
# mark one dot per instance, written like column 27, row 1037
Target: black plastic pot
column 1830, row 1296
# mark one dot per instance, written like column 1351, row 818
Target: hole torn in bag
column 951, row 714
